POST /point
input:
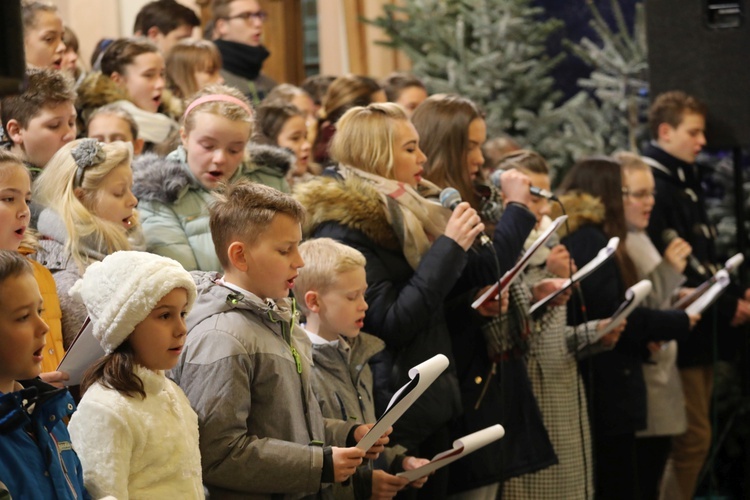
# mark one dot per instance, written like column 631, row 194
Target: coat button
column 51, row 418
column 70, row 406
column 52, row 351
column 477, row 380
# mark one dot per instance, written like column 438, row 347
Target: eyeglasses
column 639, row 195
column 261, row 16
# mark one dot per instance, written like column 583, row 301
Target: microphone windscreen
column 450, row 197
column 495, row 177
column 668, row 235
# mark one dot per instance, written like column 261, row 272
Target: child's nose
column 219, row 156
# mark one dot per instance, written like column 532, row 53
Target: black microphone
column 668, row 235
column 495, row 179
column 450, row 198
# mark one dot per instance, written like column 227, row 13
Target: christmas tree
column 491, row 51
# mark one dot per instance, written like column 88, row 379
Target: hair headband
column 217, row 98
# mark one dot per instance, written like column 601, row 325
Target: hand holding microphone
column 517, row 187
column 679, row 253
column 465, row 224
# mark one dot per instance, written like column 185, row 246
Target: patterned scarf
column 416, row 219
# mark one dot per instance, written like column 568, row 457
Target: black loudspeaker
column 702, row 47
column 12, row 59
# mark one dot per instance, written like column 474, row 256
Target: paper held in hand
column 603, row 255
column 720, row 282
column 633, row 297
column 461, row 448
column 422, row 376
column 495, row 290
column 82, row 353
column 707, row 286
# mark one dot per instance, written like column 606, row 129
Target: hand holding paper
column 603, row 255
column 379, row 446
column 421, row 376
column 511, row 275
column 633, row 296
column 461, row 448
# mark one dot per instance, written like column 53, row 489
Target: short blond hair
column 243, row 210
column 365, row 138
column 325, row 260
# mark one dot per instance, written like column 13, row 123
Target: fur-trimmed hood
column 272, row 159
column 581, row 208
column 97, row 90
column 351, row 202
column 156, row 178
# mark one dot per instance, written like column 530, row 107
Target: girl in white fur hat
column 134, row 430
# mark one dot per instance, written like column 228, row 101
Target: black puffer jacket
column 406, row 306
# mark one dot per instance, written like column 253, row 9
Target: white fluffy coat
column 138, row 448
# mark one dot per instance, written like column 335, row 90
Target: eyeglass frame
column 640, row 195
column 261, row 16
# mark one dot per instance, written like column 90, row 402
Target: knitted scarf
column 416, row 219
column 242, row 59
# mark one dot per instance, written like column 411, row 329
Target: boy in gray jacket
column 331, row 291
column 246, row 365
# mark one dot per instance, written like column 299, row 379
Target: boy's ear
column 237, row 256
column 14, row 131
column 153, row 34
column 220, row 28
column 665, row 131
column 312, row 301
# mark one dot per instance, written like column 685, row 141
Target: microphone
column 450, row 198
column 668, row 235
column 495, row 179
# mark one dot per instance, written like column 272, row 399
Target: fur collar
column 97, row 90
column 351, row 202
column 276, row 160
column 582, row 209
column 156, row 178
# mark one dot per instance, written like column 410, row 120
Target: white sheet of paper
column 730, row 265
column 591, row 266
column 422, row 376
column 461, row 448
column 633, row 296
column 512, row 274
column 734, row 261
column 82, row 353
column 704, row 301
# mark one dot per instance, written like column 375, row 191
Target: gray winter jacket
column 261, row 430
column 173, row 205
column 343, row 385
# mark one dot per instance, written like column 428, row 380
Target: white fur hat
column 121, row 291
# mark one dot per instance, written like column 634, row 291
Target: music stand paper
column 594, row 264
column 733, row 262
column 82, row 353
column 461, row 448
column 507, row 278
column 422, row 376
column 709, row 297
column 633, row 297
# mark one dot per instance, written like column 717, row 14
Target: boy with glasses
column 238, row 33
